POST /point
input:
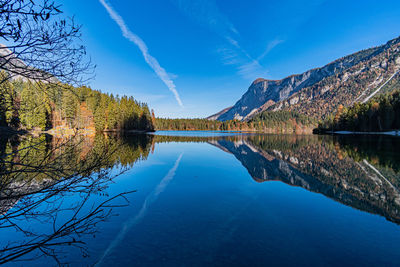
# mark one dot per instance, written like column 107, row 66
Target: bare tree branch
column 41, row 46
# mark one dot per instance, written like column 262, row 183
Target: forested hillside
column 36, row 105
column 378, row 114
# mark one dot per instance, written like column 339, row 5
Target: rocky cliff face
column 267, row 94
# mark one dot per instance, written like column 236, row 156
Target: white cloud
column 271, row 45
column 252, row 70
column 207, row 13
column 247, row 67
column 151, row 61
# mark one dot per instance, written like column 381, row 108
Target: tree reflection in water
column 37, row 177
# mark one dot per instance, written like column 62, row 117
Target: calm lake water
column 204, row 198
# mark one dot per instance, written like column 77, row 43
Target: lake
column 200, row 198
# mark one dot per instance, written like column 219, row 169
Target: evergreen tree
column 35, row 109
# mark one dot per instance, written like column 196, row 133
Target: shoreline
column 390, row 133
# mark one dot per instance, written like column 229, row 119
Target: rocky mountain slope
column 216, row 115
column 319, row 91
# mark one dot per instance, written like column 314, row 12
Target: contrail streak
column 153, row 63
column 151, row 198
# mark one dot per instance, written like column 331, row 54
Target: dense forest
column 282, row 122
column 35, row 105
column 378, row 114
column 267, row 122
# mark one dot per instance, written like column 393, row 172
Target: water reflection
column 359, row 172
column 62, row 183
column 52, row 183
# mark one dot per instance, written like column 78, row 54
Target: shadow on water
column 39, row 174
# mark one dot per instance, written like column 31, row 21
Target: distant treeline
column 378, row 114
column 268, row 122
column 199, row 124
column 282, row 122
column 28, row 105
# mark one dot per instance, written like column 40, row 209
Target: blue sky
column 192, row 58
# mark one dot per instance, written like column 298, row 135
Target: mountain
column 17, row 69
column 354, row 78
column 218, row 114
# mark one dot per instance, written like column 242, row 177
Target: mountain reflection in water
column 39, row 173
column 360, row 172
